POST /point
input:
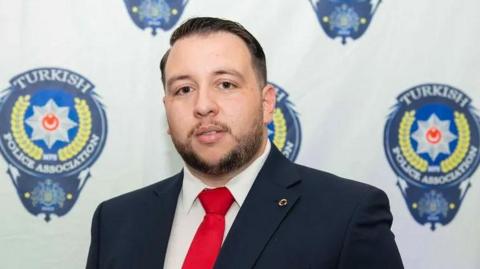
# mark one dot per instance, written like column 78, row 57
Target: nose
column 206, row 104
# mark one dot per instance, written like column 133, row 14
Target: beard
column 245, row 150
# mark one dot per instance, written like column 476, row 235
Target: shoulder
column 328, row 181
column 330, row 187
column 351, row 205
column 143, row 196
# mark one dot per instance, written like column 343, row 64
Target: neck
column 222, row 180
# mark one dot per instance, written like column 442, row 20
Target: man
column 238, row 203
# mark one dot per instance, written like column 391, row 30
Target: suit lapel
column 261, row 213
column 164, row 205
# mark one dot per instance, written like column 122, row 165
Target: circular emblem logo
column 344, row 18
column 284, row 130
column 431, row 142
column 155, row 14
column 53, row 129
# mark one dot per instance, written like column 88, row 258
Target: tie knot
column 216, row 201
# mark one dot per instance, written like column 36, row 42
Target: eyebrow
column 175, row 78
column 231, row 72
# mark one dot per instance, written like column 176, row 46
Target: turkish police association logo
column 284, row 130
column 432, row 142
column 155, row 14
column 53, row 128
column 345, row 18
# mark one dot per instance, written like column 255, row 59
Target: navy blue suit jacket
column 327, row 223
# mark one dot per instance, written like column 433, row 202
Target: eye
column 183, row 90
column 226, row 85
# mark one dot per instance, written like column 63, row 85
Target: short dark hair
column 207, row 25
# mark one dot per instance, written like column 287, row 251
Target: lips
column 209, row 134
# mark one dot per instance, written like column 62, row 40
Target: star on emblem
column 433, row 136
column 50, row 123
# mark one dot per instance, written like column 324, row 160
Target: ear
column 269, row 98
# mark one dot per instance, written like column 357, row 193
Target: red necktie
column 207, row 242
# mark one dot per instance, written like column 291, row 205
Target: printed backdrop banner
column 383, row 92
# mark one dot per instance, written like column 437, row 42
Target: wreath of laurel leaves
column 84, row 131
column 462, row 146
column 406, row 146
column 280, row 135
column 18, row 130
column 418, row 162
column 35, row 152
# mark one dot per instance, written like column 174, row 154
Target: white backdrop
column 342, row 93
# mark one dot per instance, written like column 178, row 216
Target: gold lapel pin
column 282, row 202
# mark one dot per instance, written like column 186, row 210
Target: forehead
column 204, row 52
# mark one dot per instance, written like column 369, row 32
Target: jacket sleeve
column 93, row 253
column 369, row 242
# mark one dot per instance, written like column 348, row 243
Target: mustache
column 203, row 127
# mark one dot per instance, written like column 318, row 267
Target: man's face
column 216, row 109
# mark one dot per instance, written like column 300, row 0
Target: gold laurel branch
column 18, row 129
column 462, row 145
column 280, row 124
column 406, row 146
column 84, row 131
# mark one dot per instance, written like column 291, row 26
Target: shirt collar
column 239, row 185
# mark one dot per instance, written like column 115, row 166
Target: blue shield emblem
column 52, row 129
column 155, row 14
column 432, row 141
column 345, row 18
column 285, row 131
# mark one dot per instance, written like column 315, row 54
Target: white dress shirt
column 189, row 212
